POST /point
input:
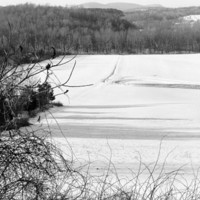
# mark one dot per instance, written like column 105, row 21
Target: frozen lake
column 134, row 102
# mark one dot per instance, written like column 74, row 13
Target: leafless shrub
column 30, row 166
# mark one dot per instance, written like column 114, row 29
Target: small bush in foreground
column 31, row 168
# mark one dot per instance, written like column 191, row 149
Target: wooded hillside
column 78, row 30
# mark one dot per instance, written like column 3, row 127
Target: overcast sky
column 167, row 3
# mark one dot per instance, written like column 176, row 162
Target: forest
column 75, row 30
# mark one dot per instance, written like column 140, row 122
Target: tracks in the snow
column 113, row 71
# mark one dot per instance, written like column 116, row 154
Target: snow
column 192, row 18
column 126, row 154
column 133, row 102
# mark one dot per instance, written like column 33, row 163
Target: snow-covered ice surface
column 133, row 103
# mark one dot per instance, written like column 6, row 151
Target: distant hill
column 119, row 6
column 92, row 5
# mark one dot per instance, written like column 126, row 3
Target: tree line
column 36, row 29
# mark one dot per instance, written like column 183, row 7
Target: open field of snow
column 133, row 101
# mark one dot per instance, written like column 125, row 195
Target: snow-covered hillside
column 192, row 18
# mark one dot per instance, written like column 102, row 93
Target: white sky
column 167, row 3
